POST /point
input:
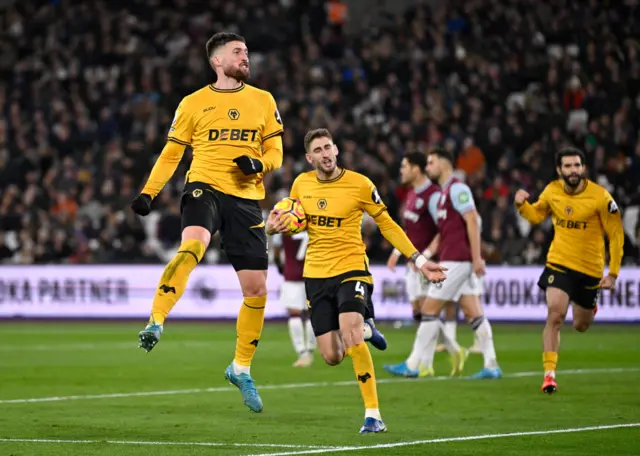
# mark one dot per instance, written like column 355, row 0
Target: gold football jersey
column 221, row 125
column 579, row 221
column 334, row 211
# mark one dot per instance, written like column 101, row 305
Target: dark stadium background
column 88, row 90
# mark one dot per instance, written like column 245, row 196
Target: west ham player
column 459, row 227
column 420, row 228
column 289, row 253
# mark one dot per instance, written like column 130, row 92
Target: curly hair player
column 580, row 210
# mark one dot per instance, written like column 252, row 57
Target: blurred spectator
column 89, row 90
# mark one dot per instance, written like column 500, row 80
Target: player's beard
column 434, row 177
column 327, row 167
column 573, row 180
column 239, row 73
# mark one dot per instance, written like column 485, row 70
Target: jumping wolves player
column 336, row 270
column 580, row 210
column 420, row 228
column 459, row 228
column 235, row 132
column 292, row 295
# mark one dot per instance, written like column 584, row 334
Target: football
column 293, row 209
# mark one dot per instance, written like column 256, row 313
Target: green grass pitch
column 85, row 376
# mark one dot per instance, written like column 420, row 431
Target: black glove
column 248, row 165
column 141, row 204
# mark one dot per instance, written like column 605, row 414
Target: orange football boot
column 549, row 385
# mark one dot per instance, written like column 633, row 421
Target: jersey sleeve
column 295, row 189
column 612, row 224
column 164, row 168
column 370, row 199
column 535, row 213
column 433, row 205
column 462, row 198
column 181, row 130
column 273, row 122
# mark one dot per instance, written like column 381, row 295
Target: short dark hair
column 569, row 152
column 417, row 159
column 441, row 153
column 315, row 134
column 220, row 39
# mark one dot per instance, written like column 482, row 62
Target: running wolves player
column 235, row 132
column 420, row 228
column 336, row 269
column 580, row 210
column 292, row 293
column 458, row 225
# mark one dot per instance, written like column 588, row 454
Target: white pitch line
column 450, row 439
column 99, row 346
column 206, row 444
column 285, row 386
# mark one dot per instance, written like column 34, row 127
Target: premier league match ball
column 293, row 209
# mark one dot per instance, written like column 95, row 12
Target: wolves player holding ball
column 336, row 270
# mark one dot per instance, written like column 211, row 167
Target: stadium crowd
column 88, row 90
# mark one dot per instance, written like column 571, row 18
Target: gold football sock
column 549, row 361
column 249, row 328
column 174, row 279
column 365, row 374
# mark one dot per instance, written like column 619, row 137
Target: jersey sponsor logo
column 232, row 134
column 210, row 108
column 322, row 204
column 612, row 207
column 234, row 114
column 411, row 216
column 464, row 197
column 322, row 220
column 571, row 224
column 278, row 118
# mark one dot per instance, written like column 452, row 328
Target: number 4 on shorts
column 360, row 289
